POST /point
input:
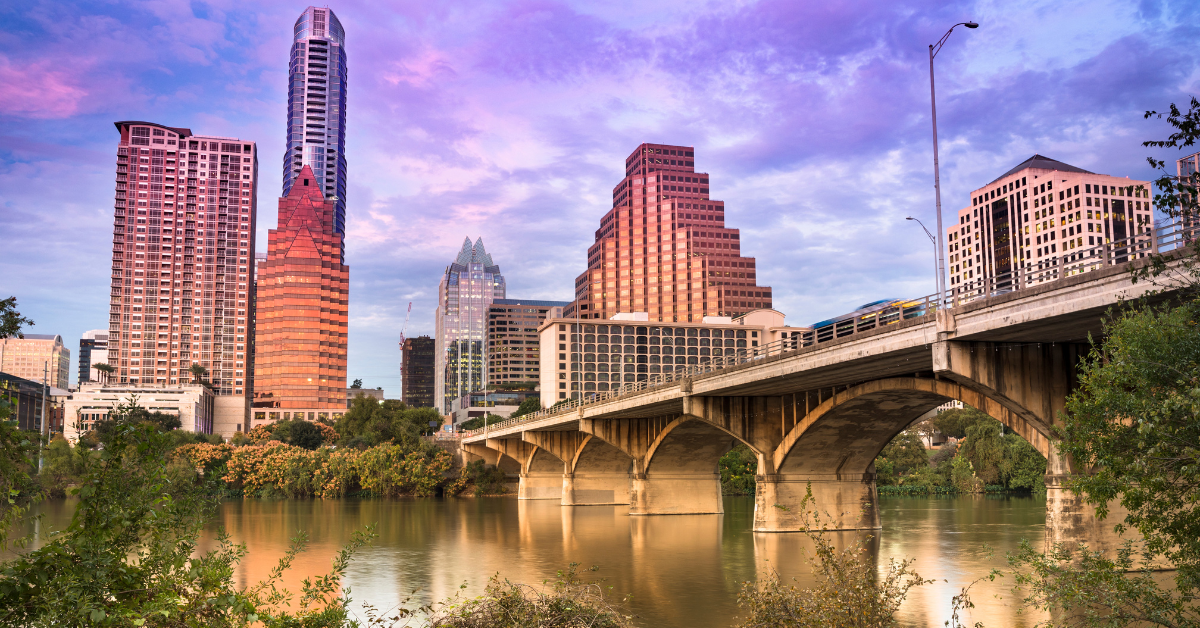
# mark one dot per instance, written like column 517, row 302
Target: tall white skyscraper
column 317, row 107
column 465, row 294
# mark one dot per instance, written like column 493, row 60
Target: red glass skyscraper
column 664, row 248
column 303, row 291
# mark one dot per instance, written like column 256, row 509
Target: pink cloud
column 36, row 91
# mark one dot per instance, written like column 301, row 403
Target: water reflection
column 680, row 570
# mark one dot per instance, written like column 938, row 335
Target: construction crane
column 402, row 330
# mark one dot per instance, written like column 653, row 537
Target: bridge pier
column 842, row 503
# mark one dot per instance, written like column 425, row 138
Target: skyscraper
column 93, row 350
column 317, row 108
column 466, row 291
column 182, row 245
column 303, row 291
column 1040, row 215
column 513, row 348
column 417, row 378
column 664, row 248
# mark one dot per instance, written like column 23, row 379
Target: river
column 679, row 570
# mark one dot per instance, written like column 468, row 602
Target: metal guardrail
column 1076, row 261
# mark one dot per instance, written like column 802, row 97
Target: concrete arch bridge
column 820, row 414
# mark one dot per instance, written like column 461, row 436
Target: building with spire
column 465, row 294
column 664, row 248
column 302, row 302
column 317, row 108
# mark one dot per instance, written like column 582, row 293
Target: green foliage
column 486, row 479
column 529, row 406
column 905, row 452
column 1022, row 467
column 305, row 435
column 1085, row 589
column 984, row 448
column 479, row 421
column 64, row 466
column 11, row 320
column 962, row 476
column 17, row 488
column 369, row 422
column 569, row 603
column 738, row 468
column 133, row 414
column 357, row 384
column 850, row 591
column 954, row 422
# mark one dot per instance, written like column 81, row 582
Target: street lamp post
column 934, row 242
column 937, row 179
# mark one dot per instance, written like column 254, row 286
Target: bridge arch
column 846, row 432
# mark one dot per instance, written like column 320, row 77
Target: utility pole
column 45, row 400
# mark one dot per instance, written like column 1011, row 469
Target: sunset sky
column 512, row 120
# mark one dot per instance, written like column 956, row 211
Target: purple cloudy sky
column 512, row 121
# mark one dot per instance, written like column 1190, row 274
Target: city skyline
column 502, row 134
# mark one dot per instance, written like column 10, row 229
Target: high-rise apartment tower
column 183, row 240
column 418, row 372
column 317, row 108
column 303, row 305
column 1040, row 215
column 664, row 248
column 465, row 294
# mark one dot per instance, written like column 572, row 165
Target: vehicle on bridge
column 882, row 312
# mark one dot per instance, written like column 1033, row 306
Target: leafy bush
column 569, row 603
column 850, row 592
column 485, row 480
column 738, row 468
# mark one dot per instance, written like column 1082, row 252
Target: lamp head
column 971, row 25
column 909, row 218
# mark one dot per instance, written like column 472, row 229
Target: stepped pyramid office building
column 303, row 292
column 664, row 248
column 465, row 295
column 1039, row 215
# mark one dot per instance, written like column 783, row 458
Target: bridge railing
column 1074, row 261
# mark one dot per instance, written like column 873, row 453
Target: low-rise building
column 584, row 357
column 373, row 393
column 194, row 404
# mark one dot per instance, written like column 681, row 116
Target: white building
column 192, row 403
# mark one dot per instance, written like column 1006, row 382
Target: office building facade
column 513, row 349
column 40, row 358
column 664, row 248
column 1041, row 215
column 183, row 239
column 465, row 294
column 303, row 306
column 589, row 357
column 418, row 372
column 93, row 349
column 317, row 108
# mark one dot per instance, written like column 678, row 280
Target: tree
column 529, row 406
column 954, row 423
column 305, row 434
column 357, row 384
column 984, row 448
column 198, row 373
column 905, row 452
column 106, row 370
column 11, row 320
